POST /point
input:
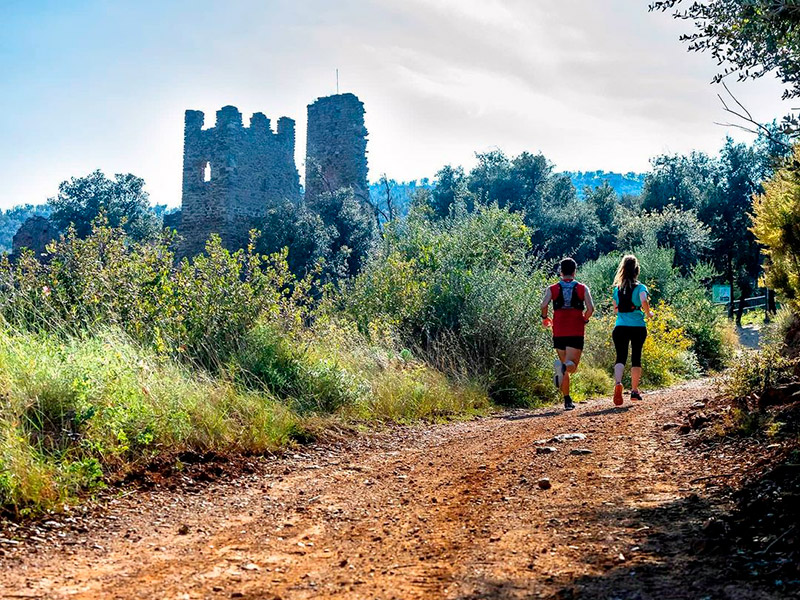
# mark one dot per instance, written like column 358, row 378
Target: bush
column 666, row 356
column 464, row 294
column 754, row 372
column 403, row 393
column 284, row 364
column 776, row 225
column 712, row 337
column 591, row 381
column 197, row 311
column 80, row 410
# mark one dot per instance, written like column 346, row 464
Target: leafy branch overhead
column 747, row 38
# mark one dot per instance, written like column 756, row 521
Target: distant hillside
column 401, row 193
column 623, row 183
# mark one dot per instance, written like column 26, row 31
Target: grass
column 403, row 394
column 77, row 413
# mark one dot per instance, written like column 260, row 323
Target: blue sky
column 593, row 85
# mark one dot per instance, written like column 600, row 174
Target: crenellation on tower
column 228, row 116
column 259, row 122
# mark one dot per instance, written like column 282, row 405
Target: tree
column 748, row 39
column 123, row 200
column 570, row 230
column 676, row 180
column 451, row 187
column 560, row 191
column 301, row 231
column 727, row 212
column 353, row 230
column 680, row 230
column 518, row 184
column 776, row 225
column 603, row 201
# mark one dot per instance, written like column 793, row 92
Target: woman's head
column 627, row 272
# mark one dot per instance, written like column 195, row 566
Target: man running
column 572, row 308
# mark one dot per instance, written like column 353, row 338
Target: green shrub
column 712, row 336
column 590, row 382
column 299, row 370
column 198, row 311
column 462, row 292
column 666, row 356
column 77, row 411
column 754, row 372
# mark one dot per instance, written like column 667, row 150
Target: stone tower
column 232, row 174
column 336, row 147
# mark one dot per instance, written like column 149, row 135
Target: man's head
column 568, row 267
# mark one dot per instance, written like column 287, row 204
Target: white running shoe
column 558, row 370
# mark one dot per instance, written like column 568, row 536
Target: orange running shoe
column 618, row 394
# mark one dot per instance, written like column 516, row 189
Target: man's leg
column 572, row 357
column 560, row 374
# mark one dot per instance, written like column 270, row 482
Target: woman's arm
column 646, row 305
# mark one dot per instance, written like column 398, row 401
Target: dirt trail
column 451, row 511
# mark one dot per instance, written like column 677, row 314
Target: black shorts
column 573, row 341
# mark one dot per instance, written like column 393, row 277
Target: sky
column 592, row 85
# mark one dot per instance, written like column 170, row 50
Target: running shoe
column 559, row 369
column 568, row 403
column 618, row 394
column 636, row 396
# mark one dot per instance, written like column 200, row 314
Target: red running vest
column 568, row 320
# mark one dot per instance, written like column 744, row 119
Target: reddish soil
column 444, row 511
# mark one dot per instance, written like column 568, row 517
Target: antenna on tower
column 337, row 82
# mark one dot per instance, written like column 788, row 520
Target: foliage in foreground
column 111, row 354
column 776, row 224
column 79, row 412
column 76, row 409
column 464, row 294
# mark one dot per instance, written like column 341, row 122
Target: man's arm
column 589, row 305
column 546, row 303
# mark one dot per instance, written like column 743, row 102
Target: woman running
column 631, row 305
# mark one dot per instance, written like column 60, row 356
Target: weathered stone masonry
column 336, row 146
column 232, row 175
column 34, row 234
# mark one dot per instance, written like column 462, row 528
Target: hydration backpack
column 625, row 304
column 568, row 294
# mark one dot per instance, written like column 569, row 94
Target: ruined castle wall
column 336, row 150
column 251, row 169
column 34, row 234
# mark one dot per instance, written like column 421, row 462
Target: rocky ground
column 637, row 506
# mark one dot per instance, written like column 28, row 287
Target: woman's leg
column 620, row 338
column 637, row 342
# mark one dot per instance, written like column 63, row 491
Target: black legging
column 635, row 336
